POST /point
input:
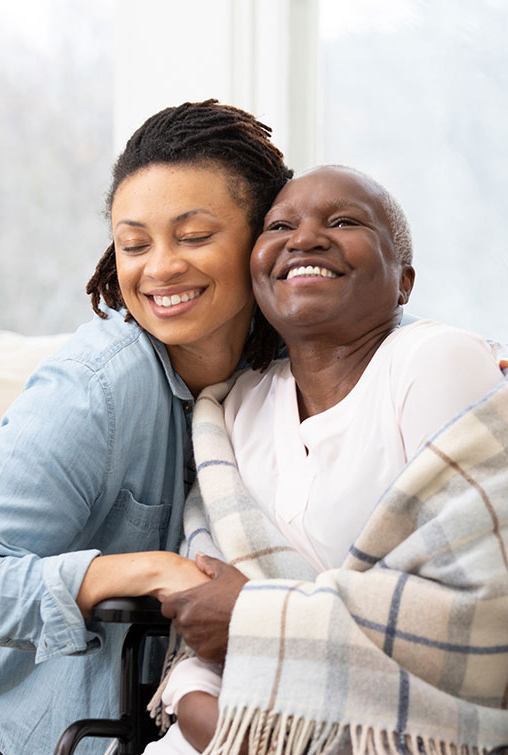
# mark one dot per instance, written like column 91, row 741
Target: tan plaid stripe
column 467, row 477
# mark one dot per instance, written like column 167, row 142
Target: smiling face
column 182, row 245
column 325, row 262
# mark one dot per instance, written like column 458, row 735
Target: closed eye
column 135, row 249
column 196, row 239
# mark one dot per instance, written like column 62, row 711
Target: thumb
column 169, row 606
column 208, row 565
column 503, row 364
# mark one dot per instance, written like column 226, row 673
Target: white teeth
column 171, row 301
column 310, row 271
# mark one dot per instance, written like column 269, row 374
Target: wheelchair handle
column 144, row 610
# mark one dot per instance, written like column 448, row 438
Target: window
column 56, row 83
column 415, row 93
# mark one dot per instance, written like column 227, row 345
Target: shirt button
column 187, row 407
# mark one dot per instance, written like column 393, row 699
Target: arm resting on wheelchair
column 124, row 575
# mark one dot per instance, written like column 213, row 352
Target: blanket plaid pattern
column 404, row 649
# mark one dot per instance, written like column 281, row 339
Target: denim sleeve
column 54, row 451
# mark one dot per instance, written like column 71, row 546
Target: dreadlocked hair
column 208, row 134
column 264, row 344
column 104, row 282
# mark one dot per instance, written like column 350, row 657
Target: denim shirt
column 92, row 458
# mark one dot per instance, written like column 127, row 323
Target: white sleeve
column 443, row 376
column 190, row 675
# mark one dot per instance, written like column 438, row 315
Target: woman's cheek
column 260, row 260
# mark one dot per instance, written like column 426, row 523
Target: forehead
column 326, row 188
column 160, row 183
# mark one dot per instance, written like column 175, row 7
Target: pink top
column 318, row 480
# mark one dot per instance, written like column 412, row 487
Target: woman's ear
column 406, row 282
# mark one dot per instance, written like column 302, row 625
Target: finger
column 504, row 364
column 208, row 565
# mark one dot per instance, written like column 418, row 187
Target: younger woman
column 95, row 455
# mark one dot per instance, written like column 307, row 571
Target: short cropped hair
column 398, row 223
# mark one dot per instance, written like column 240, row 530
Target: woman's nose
column 165, row 262
column 307, row 237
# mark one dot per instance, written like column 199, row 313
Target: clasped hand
column 202, row 614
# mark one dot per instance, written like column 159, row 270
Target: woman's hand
column 202, row 614
column 157, row 573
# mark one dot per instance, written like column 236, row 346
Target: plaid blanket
column 404, row 649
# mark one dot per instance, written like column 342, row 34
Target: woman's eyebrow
column 332, row 205
column 279, row 207
column 133, row 223
column 190, row 213
column 342, row 204
column 176, row 219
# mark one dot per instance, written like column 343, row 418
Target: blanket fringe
column 175, row 653
column 272, row 734
column 281, row 734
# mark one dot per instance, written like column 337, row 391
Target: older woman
column 400, row 642
column 95, row 456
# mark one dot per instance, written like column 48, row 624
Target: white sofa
column 19, row 356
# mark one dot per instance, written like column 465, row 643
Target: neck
column 206, row 364
column 325, row 372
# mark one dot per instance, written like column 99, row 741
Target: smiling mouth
column 174, row 299
column 310, row 271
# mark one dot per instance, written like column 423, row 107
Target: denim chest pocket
column 133, row 526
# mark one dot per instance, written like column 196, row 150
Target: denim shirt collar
column 177, row 385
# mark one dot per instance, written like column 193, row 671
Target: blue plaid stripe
column 215, row 463
column 419, row 640
column 199, row 531
column 394, row 613
column 362, row 556
column 402, row 713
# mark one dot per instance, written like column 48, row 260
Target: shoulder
column 442, row 364
column 105, row 360
column 437, row 372
column 99, row 341
column 432, row 360
column 435, row 341
column 110, row 350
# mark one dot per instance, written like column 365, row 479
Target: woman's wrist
column 124, row 575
